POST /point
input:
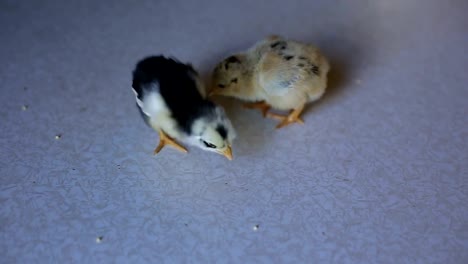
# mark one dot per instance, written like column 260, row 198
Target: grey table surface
column 378, row 174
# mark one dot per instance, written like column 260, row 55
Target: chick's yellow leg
column 164, row 140
column 262, row 106
column 293, row 117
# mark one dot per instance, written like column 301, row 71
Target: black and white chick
column 172, row 100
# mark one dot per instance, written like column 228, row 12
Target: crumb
column 358, row 81
column 24, row 107
column 99, row 239
column 58, row 136
column 256, row 227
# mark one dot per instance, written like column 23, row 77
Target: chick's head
column 214, row 132
column 228, row 76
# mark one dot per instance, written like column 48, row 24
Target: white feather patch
column 138, row 101
column 154, row 106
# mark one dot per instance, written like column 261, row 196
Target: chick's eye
column 221, row 86
column 208, row 145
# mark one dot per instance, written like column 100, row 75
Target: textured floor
column 379, row 173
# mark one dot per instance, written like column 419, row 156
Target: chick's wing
column 277, row 73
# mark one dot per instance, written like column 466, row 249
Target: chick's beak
column 212, row 92
column 227, row 153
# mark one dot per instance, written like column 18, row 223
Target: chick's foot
column 164, row 140
column 293, row 117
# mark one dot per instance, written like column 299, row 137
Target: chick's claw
column 288, row 120
column 293, row 117
column 166, row 140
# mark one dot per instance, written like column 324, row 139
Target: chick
column 171, row 100
column 274, row 73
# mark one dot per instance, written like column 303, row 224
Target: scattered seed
column 99, row 239
column 24, row 107
column 256, row 227
column 58, row 136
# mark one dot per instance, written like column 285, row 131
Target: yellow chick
column 274, row 73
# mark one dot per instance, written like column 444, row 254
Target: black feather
column 231, row 59
column 222, row 131
column 281, row 45
column 176, row 86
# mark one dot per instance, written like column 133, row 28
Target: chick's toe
column 164, row 140
column 293, row 117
